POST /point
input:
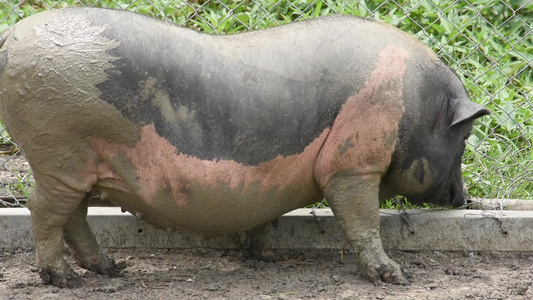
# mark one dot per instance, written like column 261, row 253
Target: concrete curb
column 496, row 204
column 446, row 230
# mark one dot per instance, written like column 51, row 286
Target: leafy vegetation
column 488, row 43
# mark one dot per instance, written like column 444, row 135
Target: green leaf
column 508, row 116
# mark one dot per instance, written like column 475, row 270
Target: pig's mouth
column 458, row 194
column 455, row 196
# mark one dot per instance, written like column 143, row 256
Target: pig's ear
column 466, row 110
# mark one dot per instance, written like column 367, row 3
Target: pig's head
column 427, row 160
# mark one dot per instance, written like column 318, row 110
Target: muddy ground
column 310, row 274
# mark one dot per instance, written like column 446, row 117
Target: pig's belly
column 176, row 190
column 211, row 210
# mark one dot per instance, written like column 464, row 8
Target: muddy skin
column 220, row 134
column 81, row 241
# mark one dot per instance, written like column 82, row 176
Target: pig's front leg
column 354, row 199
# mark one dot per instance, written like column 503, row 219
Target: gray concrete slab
column 446, row 230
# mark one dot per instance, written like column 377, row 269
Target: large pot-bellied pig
column 219, row 134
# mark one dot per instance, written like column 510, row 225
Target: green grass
column 488, row 43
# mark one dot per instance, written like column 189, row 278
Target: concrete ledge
column 495, row 204
column 447, row 230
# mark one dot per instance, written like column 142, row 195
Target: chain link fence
column 488, row 43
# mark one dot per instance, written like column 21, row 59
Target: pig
column 218, row 134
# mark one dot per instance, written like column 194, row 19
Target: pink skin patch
column 364, row 133
column 158, row 165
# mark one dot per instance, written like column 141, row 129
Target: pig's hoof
column 113, row 270
column 60, row 279
column 395, row 278
column 109, row 268
column 387, row 275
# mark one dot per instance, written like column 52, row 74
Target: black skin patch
column 426, row 134
column 235, row 110
column 420, row 172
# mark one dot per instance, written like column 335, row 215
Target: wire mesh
column 488, row 43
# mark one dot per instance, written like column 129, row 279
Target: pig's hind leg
column 50, row 211
column 81, row 241
column 59, row 209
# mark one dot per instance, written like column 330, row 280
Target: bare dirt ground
column 312, row 274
